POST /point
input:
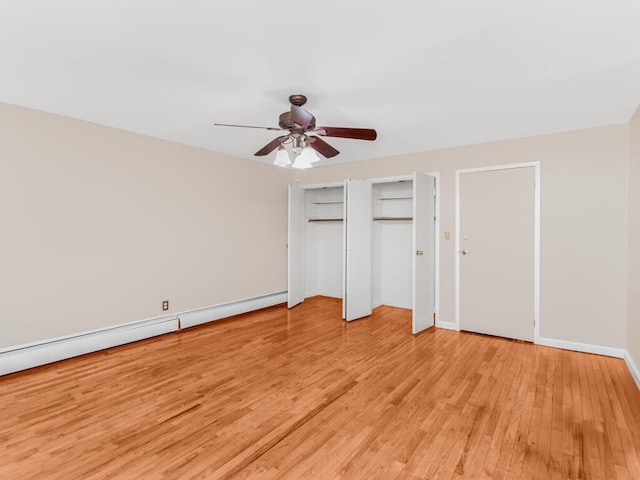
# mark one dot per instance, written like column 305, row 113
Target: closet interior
column 392, row 244
column 324, row 241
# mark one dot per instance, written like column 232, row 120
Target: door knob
column 464, row 252
column 419, row 253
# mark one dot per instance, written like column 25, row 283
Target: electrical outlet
column 165, row 305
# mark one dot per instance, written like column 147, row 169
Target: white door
column 424, row 252
column 295, row 244
column 358, row 224
column 497, row 228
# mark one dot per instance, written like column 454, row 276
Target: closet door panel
column 358, row 220
column 344, row 253
column 296, row 247
column 423, row 251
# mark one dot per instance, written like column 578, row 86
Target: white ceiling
column 426, row 74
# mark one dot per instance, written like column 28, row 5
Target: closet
column 329, row 245
column 369, row 243
column 403, row 246
column 316, row 242
column 392, row 244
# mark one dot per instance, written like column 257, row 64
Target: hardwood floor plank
column 297, row 394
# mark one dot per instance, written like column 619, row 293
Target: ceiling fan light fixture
column 282, row 157
column 302, row 162
column 309, row 155
column 303, row 137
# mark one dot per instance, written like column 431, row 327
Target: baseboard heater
column 22, row 357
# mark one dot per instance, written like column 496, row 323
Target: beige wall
column 98, row 226
column 583, row 222
column 633, row 325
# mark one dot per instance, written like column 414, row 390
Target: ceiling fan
column 303, row 139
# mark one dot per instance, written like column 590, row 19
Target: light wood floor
column 300, row 394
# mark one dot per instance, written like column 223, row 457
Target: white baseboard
column 22, row 357
column 217, row 312
column 581, row 347
column 633, row 367
column 447, row 325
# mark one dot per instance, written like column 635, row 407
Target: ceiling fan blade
column 274, row 129
column 302, row 117
column 270, row 147
column 357, row 133
column 322, row 147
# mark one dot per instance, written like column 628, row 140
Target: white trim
column 320, row 185
column 22, row 357
column 536, row 256
column 396, row 178
column 436, row 175
column 633, row 367
column 581, row 347
column 536, row 234
column 216, row 312
column 506, row 166
column 446, row 325
column 456, row 293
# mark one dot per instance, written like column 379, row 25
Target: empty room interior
column 343, row 240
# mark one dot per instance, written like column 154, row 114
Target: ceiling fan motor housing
column 285, row 121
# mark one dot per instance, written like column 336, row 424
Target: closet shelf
column 391, row 218
column 324, row 219
column 327, row 202
column 397, row 197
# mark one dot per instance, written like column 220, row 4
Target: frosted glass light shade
column 309, row 155
column 282, row 158
column 301, row 162
column 306, row 158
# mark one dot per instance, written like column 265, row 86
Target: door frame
column 436, row 175
column 536, row 239
column 313, row 186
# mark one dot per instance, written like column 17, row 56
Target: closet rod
column 399, row 197
column 392, row 218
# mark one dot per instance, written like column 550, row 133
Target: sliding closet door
column 358, row 220
column 424, row 258
column 295, row 251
